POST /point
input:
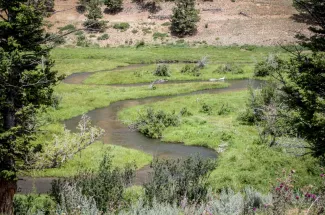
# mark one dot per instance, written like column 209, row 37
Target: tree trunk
column 7, row 192
column 8, row 187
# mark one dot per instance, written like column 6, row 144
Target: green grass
column 72, row 60
column 145, row 74
column 244, row 163
column 79, row 99
column 91, row 157
column 70, row 65
column 199, row 129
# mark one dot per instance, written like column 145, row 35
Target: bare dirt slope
column 223, row 22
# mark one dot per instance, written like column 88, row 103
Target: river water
column 117, row 133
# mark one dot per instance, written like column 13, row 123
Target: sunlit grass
column 145, row 74
column 90, row 158
column 244, row 162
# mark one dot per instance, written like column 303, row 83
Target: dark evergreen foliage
column 184, row 18
column 26, row 85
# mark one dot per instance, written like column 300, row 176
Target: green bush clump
column 184, row 18
column 248, row 47
column 78, row 33
column 95, row 25
column 205, row 108
column 174, row 180
column 166, row 24
column 123, row 26
column 158, row 35
column 103, row 37
column 83, row 41
column 114, row 6
column 257, row 100
column 146, row 31
column 152, row 123
column 269, row 65
column 140, row 44
column 224, row 109
column 191, row 69
column 185, row 112
column 69, row 27
column 106, row 186
column 33, row 204
column 57, row 39
column 162, row 70
column 229, row 68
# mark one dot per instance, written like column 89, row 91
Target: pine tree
column 184, row 18
column 114, row 6
column 94, row 13
column 314, row 12
column 26, row 85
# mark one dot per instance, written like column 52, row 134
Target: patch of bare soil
column 223, row 22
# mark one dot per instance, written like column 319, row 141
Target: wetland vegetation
column 158, row 129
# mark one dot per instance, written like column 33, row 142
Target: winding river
column 118, row 133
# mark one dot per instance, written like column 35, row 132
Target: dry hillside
column 223, row 22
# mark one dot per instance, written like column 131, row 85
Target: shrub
column 74, row 202
column 49, row 5
column 123, row 26
column 33, row 204
column 95, row 25
column 69, row 27
column 146, row 30
column 134, row 31
column 56, row 38
column 248, row 47
column 269, row 65
column 83, row 41
column 205, row 108
column 140, row 44
column 152, row 123
column 185, row 112
column 78, row 33
column 184, row 18
column 166, row 24
column 106, row 186
column 203, row 62
column 114, row 6
column 162, row 70
column 173, row 180
column 229, row 68
column 103, row 37
column 94, row 14
column 192, row 70
column 161, row 36
column 82, row 6
column 224, row 109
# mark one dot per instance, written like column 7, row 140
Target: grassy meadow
column 242, row 163
column 74, row 60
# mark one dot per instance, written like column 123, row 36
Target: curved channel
column 117, row 133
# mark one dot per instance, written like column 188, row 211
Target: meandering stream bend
column 117, row 133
